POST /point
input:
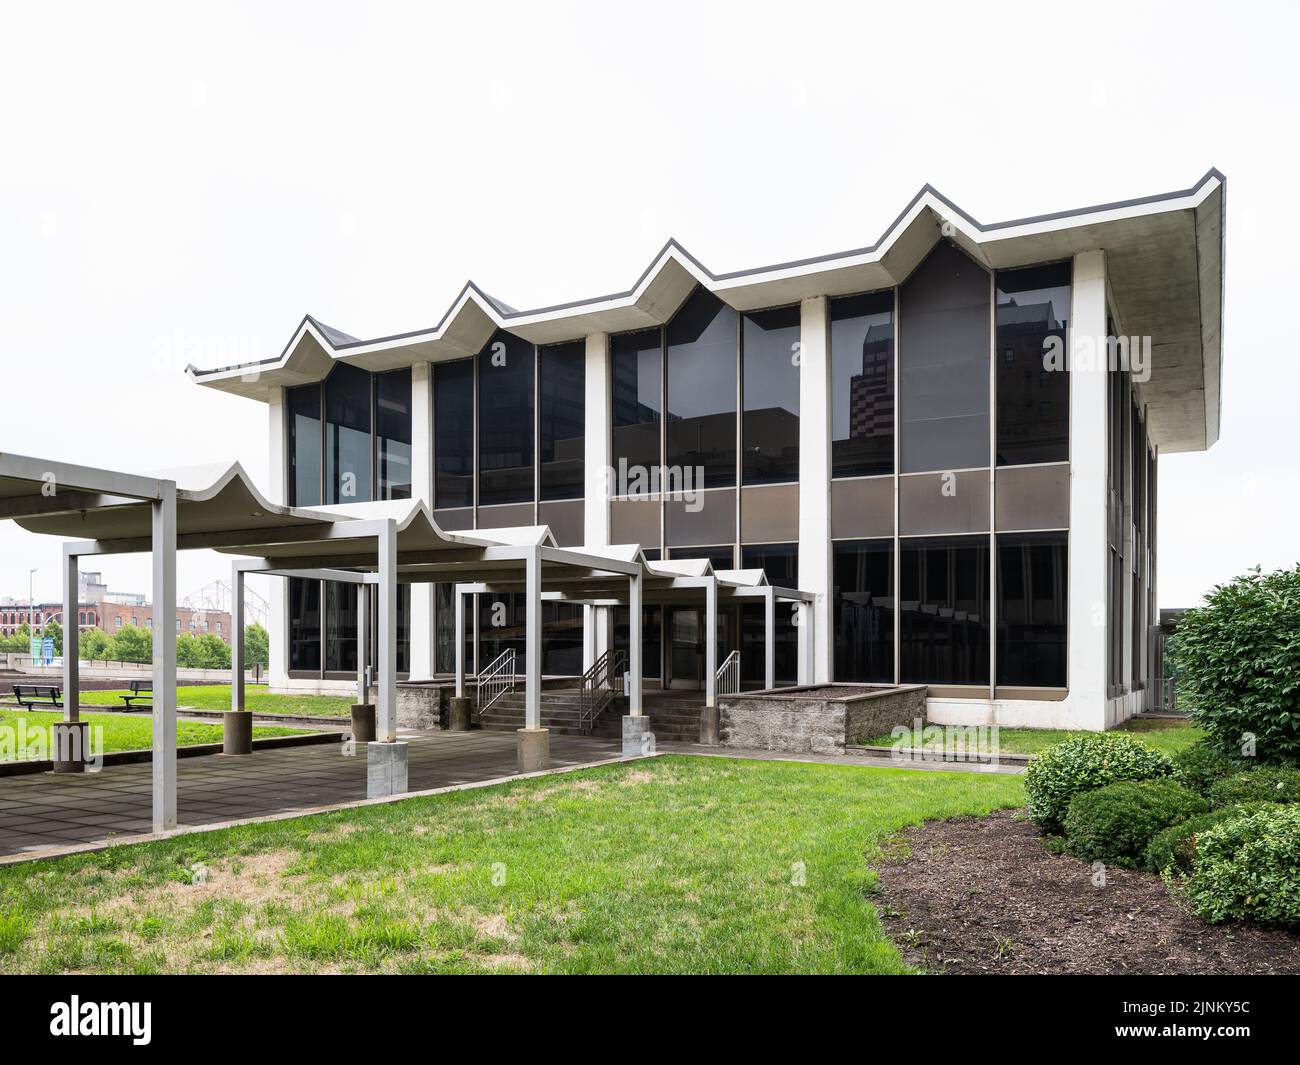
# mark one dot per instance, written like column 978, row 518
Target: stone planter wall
column 803, row 721
column 424, row 705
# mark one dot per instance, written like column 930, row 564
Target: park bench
column 140, row 690
column 29, row 695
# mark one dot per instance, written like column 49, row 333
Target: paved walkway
column 43, row 810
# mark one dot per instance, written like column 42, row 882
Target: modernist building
column 951, row 438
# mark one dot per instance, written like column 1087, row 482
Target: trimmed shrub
column 1116, row 823
column 1201, row 764
column 1173, row 849
column 1265, row 784
column 1238, row 660
column 1248, row 869
column 1085, row 763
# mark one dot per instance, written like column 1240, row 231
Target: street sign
column 47, row 649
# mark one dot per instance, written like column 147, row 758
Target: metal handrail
column 496, row 680
column 728, row 675
column 599, row 685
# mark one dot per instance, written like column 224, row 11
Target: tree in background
column 1238, row 661
column 131, row 644
column 20, row 643
column 92, row 645
column 257, row 646
column 208, row 651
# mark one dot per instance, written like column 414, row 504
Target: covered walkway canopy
column 372, row 543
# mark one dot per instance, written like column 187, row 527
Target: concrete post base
column 71, row 746
column 237, row 732
column 637, row 737
column 533, row 746
column 386, row 769
column 459, row 714
column 709, row 726
column 363, row 722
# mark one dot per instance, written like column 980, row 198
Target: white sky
column 182, row 186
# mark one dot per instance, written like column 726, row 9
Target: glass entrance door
column 685, row 648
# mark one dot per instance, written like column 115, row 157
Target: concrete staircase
column 673, row 717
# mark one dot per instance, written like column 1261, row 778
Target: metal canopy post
column 634, row 644
column 458, row 609
column 237, row 657
column 164, row 659
column 711, row 642
column 533, row 641
column 71, row 656
column 807, row 642
column 769, row 638
column 363, row 610
column 387, row 630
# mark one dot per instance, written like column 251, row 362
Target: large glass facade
column 505, row 421
column 945, row 598
column 944, row 364
column 770, row 431
column 393, row 434
column 453, row 433
column 325, row 641
column 340, row 627
column 701, row 403
column 780, row 562
column 863, row 610
column 1033, row 395
column 304, row 624
column 862, row 384
column 347, row 435
column 303, row 408
column 636, row 391
column 1032, row 609
column 562, row 405
column 652, row 643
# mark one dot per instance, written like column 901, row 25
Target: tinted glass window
column 636, row 387
column 304, row 624
column 1032, row 609
column 304, row 445
column 561, row 411
column 862, row 385
column 340, row 626
column 722, row 557
column 771, row 391
column 945, row 610
column 453, row 433
column 1033, row 395
column 651, row 637
column 863, row 610
column 702, row 390
column 944, row 364
column 780, row 562
column 347, row 435
column 393, row 434
column 505, row 426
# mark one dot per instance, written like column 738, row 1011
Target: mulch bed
column 983, row 895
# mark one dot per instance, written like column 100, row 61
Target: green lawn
column 256, row 698
column 1167, row 736
column 677, row 864
column 120, row 733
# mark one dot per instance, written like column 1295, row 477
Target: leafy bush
column 1265, row 784
column 1201, row 764
column 1239, row 663
column 1117, row 823
column 1248, row 869
column 1084, row 763
column 1174, row 848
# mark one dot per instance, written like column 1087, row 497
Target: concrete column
column 711, row 643
column 1088, row 550
column 164, row 660
column 423, row 630
column 815, row 480
column 277, row 620
column 769, row 638
column 597, row 443
column 807, row 643
column 634, row 644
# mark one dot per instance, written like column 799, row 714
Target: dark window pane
column 636, row 386
column 340, row 627
column 561, row 412
column 771, row 426
column 445, row 629
column 453, row 433
column 403, row 628
column 562, row 639
column 862, row 385
column 304, row 624
column 505, row 421
column 863, row 610
column 945, row 610
column 702, row 390
column 347, row 435
column 780, row 562
column 1033, row 399
column 393, row 433
column 944, row 364
column 722, row 557
column 1032, row 609
column 501, row 626
column 303, row 405
column 651, row 637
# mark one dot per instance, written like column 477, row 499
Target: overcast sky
column 182, row 187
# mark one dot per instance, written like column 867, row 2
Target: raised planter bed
column 817, row 718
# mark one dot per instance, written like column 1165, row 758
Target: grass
column 1170, row 737
column 256, row 698
column 120, row 733
column 678, row 864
